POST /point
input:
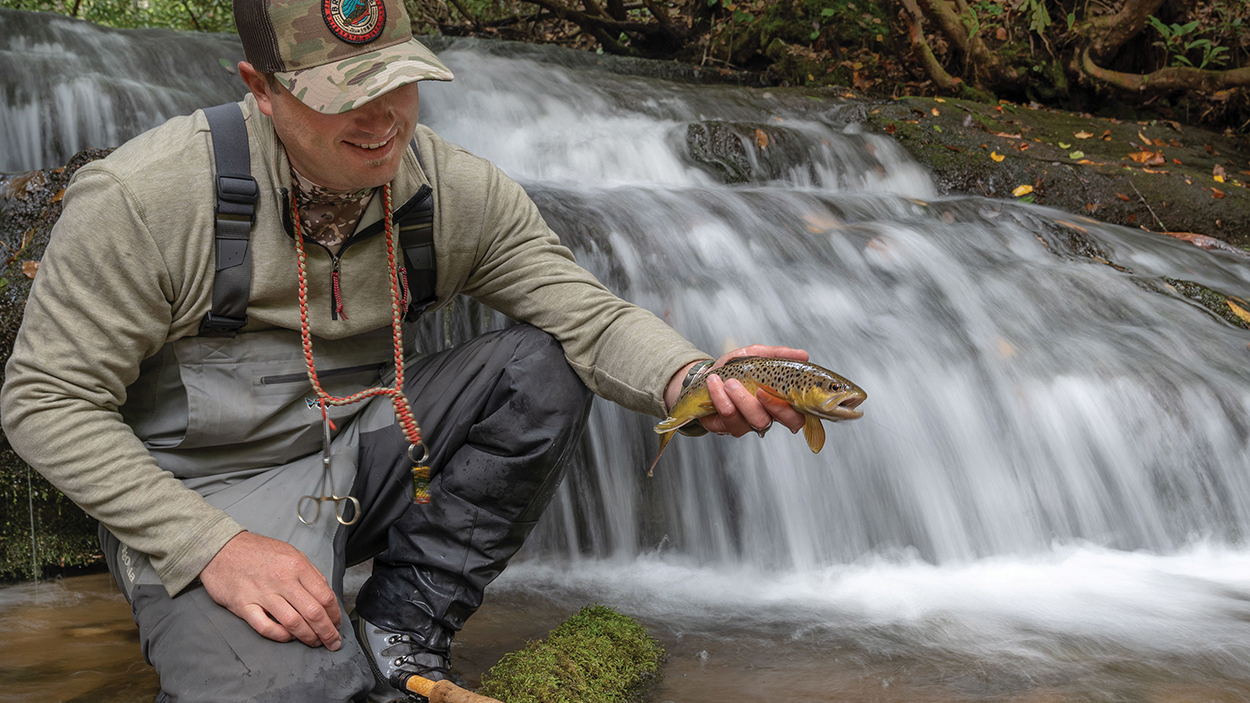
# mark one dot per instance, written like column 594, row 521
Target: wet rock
column 30, row 204
column 738, row 152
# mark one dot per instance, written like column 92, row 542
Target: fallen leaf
column 941, row 100
column 1217, row 193
column 59, row 170
column 891, row 128
column 1239, row 311
column 1106, row 136
column 1076, row 155
column 1005, row 135
column 1219, row 171
column 1177, row 161
column 1151, row 170
column 1022, row 190
column 953, row 148
column 996, row 156
column 1001, row 34
column 57, row 198
column 1091, row 207
column 1069, row 225
column 1082, row 135
column 30, row 268
column 1024, row 146
column 1122, row 196
column 1131, row 219
column 1085, row 161
column 1208, row 148
column 934, row 112
column 761, row 139
column 1218, row 179
column 1148, row 158
column 1144, row 138
column 1064, row 146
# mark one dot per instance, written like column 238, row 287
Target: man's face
column 361, row 148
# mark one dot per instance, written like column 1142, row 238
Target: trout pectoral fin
column 814, row 433
column 772, row 391
column 665, row 437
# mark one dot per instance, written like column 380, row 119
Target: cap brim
column 339, row 86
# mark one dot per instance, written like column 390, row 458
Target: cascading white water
column 70, row 85
column 1051, row 471
column 1053, row 449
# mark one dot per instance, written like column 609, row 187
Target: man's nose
column 376, row 117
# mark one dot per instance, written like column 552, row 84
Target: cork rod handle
column 443, row 691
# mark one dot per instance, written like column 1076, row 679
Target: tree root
column 1166, row 80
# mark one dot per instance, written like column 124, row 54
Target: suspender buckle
column 237, row 189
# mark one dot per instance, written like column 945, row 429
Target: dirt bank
column 1159, row 175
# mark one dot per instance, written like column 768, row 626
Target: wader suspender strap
column 237, row 194
column 416, row 238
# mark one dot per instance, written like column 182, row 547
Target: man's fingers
column 765, row 350
column 751, row 410
column 720, row 399
column 312, row 608
column 256, row 616
column 318, row 621
column 319, row 589
column 290, row 618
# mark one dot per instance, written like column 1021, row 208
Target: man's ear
column 259, row 86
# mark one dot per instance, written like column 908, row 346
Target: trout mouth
column 842, row 406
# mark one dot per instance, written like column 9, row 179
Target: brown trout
column 816, row 392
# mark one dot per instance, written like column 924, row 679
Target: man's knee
column 545, row 374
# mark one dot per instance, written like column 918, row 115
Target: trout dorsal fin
column 814, row 433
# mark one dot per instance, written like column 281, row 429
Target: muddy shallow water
column 72, row 639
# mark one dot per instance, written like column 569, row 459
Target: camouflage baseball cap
column 335, row 55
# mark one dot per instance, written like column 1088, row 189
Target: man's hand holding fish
column 738, row 410
column 748, row 388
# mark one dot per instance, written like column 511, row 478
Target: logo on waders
column 354, row 21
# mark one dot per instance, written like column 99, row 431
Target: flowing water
column 1047, row 497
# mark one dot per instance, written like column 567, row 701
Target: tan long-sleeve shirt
column 129, row 268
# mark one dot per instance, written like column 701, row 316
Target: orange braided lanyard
column 403, row 412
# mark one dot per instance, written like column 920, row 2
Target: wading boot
column 394, row 655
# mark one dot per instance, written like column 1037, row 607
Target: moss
column 1214, row 301
column 596, row 656
column 63, row 535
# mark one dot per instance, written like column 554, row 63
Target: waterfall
column 71, row 85
column 1055, row 442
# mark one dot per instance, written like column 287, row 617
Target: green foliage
column 596, row 656
column 1179, row 40
column 1039, row 16
column 197, row 15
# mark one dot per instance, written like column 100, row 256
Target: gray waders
column 235, row 418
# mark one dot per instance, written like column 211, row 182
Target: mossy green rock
column 596, row 656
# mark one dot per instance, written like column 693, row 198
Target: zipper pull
column 337, row 292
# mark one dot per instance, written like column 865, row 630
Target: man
column 192, row 441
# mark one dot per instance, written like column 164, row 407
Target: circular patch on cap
column 354, row 21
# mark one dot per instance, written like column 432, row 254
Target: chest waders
column 231, row 412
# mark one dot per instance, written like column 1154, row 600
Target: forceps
column 327, row 479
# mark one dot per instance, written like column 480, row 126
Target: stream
column 1047, row 498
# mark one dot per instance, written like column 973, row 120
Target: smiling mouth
column 373, row 145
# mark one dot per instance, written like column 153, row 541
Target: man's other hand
column 276, row 589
